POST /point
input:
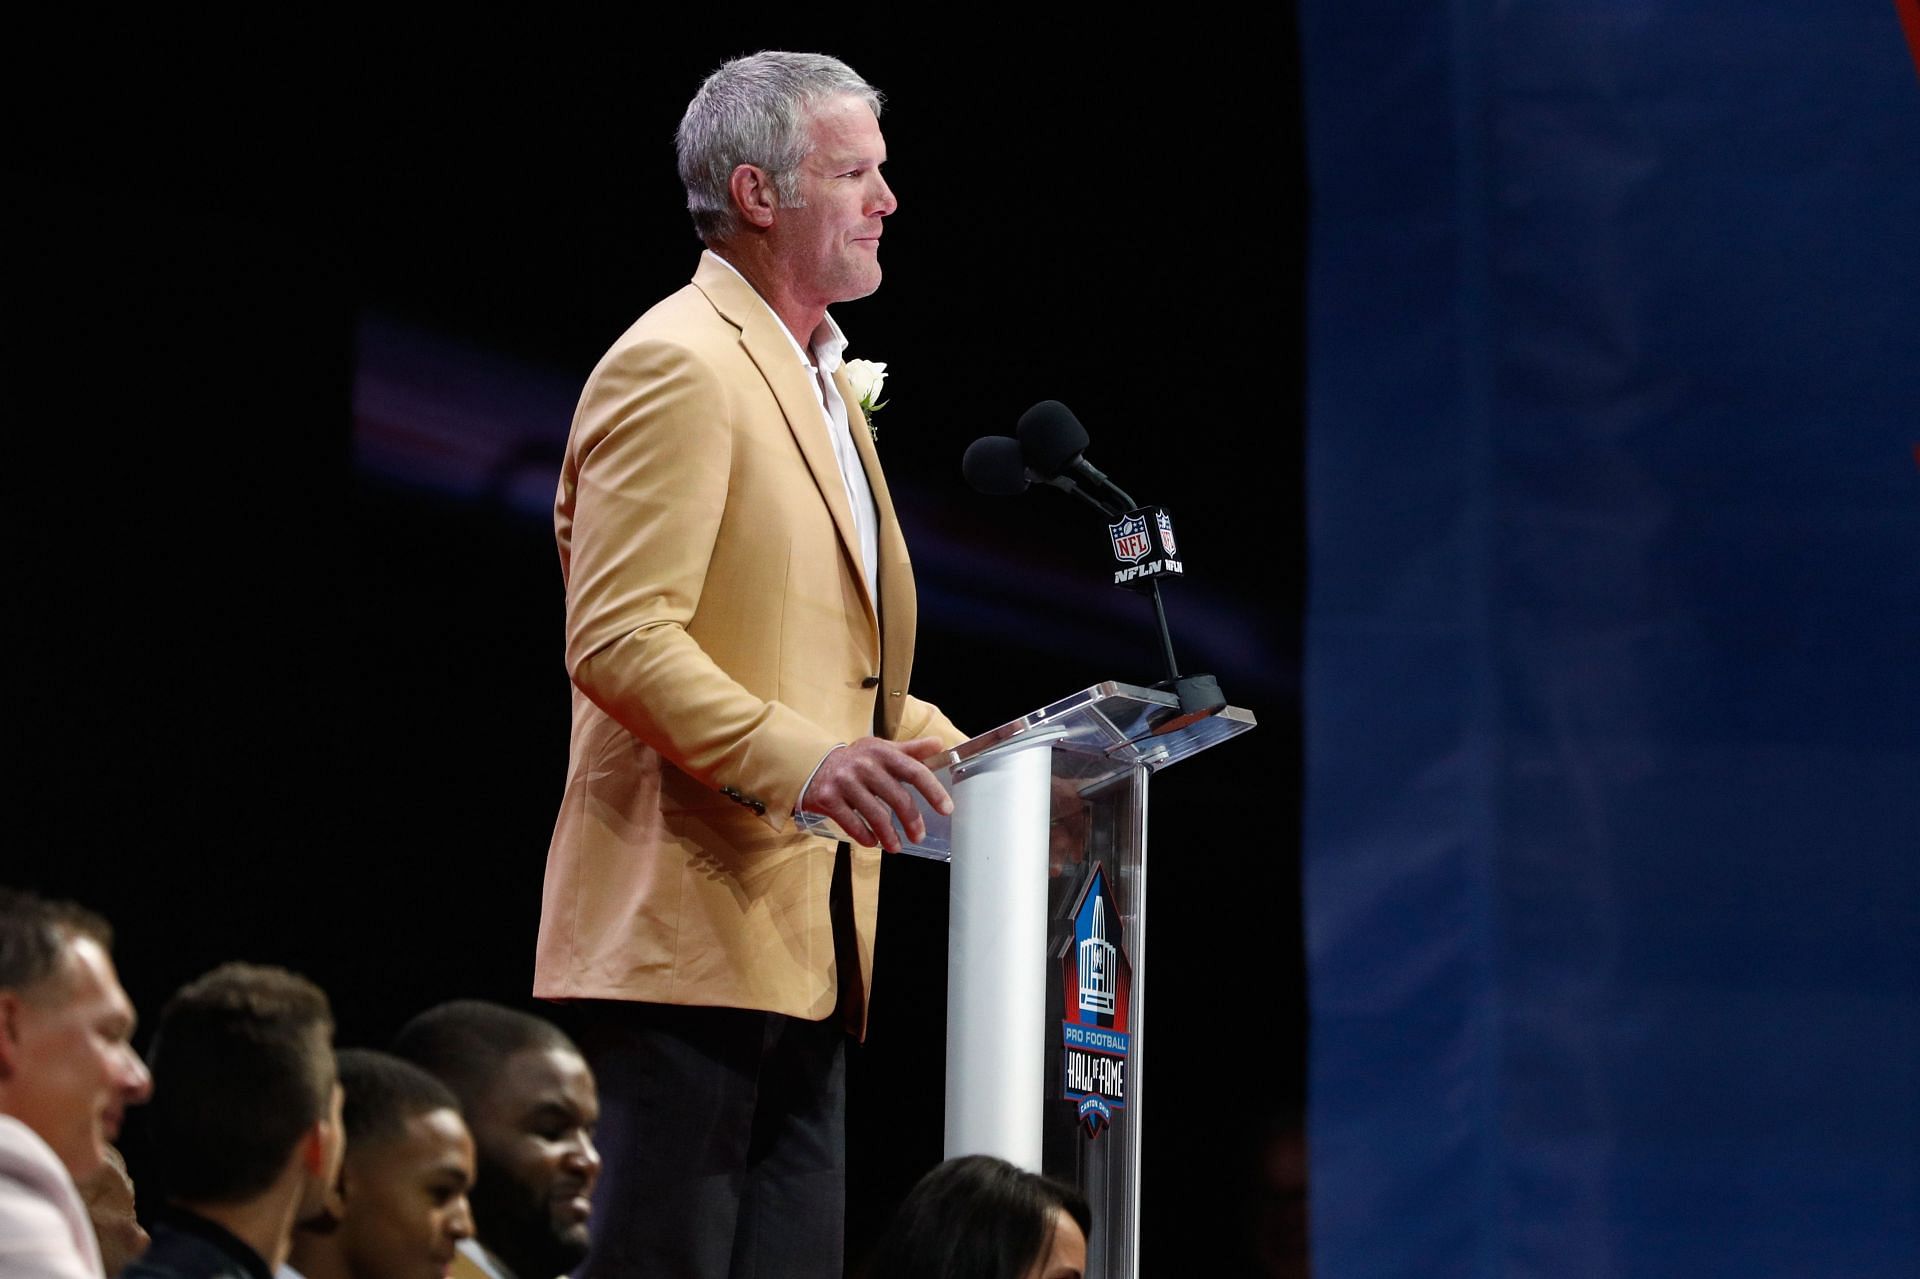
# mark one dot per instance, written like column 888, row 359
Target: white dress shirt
column 822, row 358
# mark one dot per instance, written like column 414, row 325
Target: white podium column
column 997, row 928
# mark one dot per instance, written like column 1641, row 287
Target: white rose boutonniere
column 867, row 377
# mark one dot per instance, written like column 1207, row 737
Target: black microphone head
column 1050, row 438
column 992, row 465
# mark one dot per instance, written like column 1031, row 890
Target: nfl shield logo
column 1165, row 522
column 1130, row 540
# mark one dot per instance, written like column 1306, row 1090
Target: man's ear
column 753, row 195
column 313, row 1147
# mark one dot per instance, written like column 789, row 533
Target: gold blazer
column 721, row 639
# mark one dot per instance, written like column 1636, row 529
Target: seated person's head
column 67, row 1066
column 983, row 1218
column 402, row 1204
column 246, row 1103
column 530, row 1102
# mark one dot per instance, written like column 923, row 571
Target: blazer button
column 871, row 681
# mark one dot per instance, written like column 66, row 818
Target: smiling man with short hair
column 530, row 1102
column 67, row 1073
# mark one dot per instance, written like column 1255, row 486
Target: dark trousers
column 723, row 1132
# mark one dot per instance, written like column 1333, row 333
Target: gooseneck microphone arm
column 1097, row 479
column 1066, row 485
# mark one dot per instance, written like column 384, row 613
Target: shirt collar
column 213, row 1234
column 827, row 342
column 488, row 1264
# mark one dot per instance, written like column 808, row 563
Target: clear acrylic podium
column 1046, row 938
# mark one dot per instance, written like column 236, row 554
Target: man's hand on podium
column 861, row 786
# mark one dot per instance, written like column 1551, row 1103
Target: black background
column 265, row 706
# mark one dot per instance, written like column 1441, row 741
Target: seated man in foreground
column 67, row 1073
column 530, row 1102
column 245, row 1122
column 401, row 1208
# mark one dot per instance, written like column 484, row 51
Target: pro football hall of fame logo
column 1097, row 982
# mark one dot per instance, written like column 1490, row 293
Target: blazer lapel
column 766, row 343
column 899, row 606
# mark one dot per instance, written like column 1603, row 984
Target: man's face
column 405, row 1200
column 74, row 1070
column 831, row 246
column 534, row 1128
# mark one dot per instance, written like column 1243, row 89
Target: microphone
column 1054, row 445
column 992, row 466
column 1051, row 437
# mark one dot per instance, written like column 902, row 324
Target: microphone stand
column 1199, row 695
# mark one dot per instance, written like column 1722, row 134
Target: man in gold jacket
column 740, row 625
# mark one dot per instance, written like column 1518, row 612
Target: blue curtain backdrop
column 1613, row 687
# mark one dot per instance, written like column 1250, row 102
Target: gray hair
column 753, row 111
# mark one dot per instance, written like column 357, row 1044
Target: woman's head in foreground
column 983, row 1218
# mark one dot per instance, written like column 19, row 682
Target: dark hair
column 976, row 1217
column 383, row 1093
column 35, row 934
column 464, row 1041
column 242, row 1068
